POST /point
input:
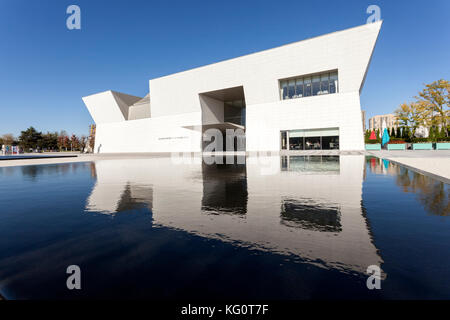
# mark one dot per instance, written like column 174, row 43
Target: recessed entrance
column 225, row 109
column 310, row 139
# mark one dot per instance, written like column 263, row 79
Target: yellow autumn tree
column 412, row 115
column 434, row 99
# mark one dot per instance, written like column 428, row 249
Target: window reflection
column 305, row 214
column 291, row 89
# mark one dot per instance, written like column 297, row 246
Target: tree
column 443, row 133
column 7, row 139
column 62, row 140
column 74, row 143
column 435, row 100
column 83, row 141
column 411, row 115
column 405, row 134
column 432, row 134
column 30, row 138
column 49, row 141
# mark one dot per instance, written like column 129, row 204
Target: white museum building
column 300, row 96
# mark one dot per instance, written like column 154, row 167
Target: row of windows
column 319, row 84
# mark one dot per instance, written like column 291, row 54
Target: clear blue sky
column 45, row 68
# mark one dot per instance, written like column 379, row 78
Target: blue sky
column 45, row 68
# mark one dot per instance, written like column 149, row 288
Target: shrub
column 421, row 140
column 396, row 141
column 444, row 139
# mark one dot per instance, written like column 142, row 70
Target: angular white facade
column 183, row 105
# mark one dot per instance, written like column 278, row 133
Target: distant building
column 363, row 118
column 376, row 122
column 91, row 139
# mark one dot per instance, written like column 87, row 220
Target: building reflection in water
column 434, row 195
column 311, row 164
column 116, row 191
column 308, row 209
column 306, row 214
column 224, row 189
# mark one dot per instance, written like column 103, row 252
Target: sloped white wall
column 103, row 108
column 349, row 51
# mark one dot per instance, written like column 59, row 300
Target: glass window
column 333, row 82
column 299, row 87
column 296, row 143
column 315, row 85
column 319, row 84
column 312, row 143
column 284, row 94
column 324, row 84
column 307, row 87
column 331, row 142
column 291, row 89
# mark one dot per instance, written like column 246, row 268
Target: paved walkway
column 435, row 163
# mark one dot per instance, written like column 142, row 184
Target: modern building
column 303, row 95
column 376, row 122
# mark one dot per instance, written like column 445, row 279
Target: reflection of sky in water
column 308, row 229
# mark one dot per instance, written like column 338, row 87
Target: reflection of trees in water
column 434, row 195
column 35, row 171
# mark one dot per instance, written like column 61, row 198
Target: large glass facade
column 319, row 84
column 310, row 139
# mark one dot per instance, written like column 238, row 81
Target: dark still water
column 274, row 228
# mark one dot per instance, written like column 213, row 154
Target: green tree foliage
column 29, row 139
column 443, row 133
column 366, row 136
column 49, row 141
column 378, row 134
column 405, row 134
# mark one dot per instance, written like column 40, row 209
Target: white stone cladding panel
column 178, row 133
column 265, row 121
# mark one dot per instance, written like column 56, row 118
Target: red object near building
column 373, row 136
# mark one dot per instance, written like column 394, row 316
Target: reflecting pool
column 298, row 227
